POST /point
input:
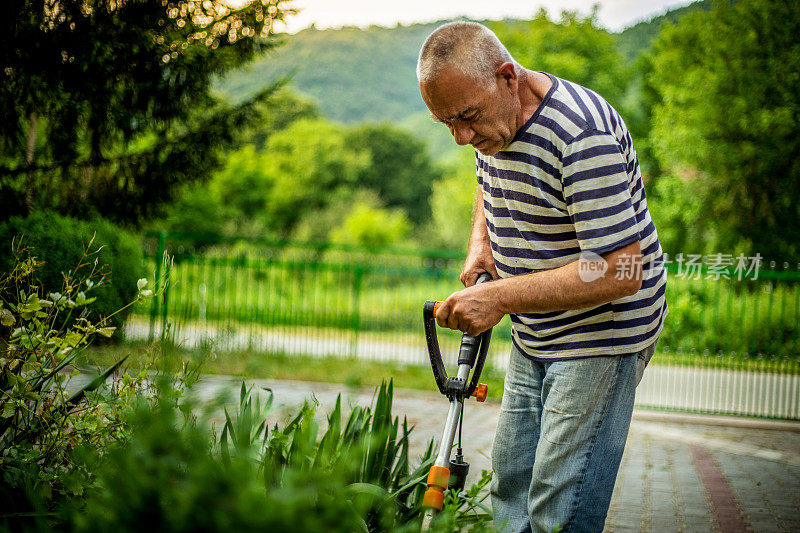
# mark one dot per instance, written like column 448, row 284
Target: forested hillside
column 368, row 74
column 639, row 37
column 354, row 74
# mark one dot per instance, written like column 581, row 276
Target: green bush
column 168, row 473
column 43, row 415
column 60, row 242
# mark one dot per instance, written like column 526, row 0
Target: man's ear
column 507, row 71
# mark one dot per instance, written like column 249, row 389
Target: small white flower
column 141, row 284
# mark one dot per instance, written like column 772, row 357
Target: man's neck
column 533, row 87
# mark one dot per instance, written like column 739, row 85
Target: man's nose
column 463, row 134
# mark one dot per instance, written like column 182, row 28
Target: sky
column 613, row 14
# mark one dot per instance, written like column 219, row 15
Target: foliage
column 277, row 113
column 165, row 475
column 574, row 48
column 728, row 83
column 453, row 201
column 107, row 105
column 367, row 452
column 43, row 415
column 61, row 243
column 368, row 224
column 356, row 477
column 400, row 170
column 636, row 39
column 676, row 207
column 308, row 163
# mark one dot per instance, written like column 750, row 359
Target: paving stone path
column 675, row 476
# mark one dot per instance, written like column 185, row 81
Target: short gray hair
column 469, row 47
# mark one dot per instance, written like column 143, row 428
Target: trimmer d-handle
column 445, row 473
column 472, row 352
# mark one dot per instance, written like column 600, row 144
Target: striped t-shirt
column 569, row 183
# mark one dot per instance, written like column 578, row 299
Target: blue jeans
column 559, row 441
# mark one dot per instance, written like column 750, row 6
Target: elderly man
column 561, row 223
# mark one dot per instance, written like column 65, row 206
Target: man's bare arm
column 479, row 252
column 477, row 308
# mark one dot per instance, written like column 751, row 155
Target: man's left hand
column 471, row 311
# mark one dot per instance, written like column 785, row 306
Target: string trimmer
column 446, row 473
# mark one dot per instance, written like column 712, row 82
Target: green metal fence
column 730, row 344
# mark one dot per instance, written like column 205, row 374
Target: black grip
column 473, row 350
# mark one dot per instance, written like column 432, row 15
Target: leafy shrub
column 356, row 477
column 367, row 224
column 60, row 243
column 164, row 475
column 42, row 416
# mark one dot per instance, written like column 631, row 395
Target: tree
column 308, row 163
column 277, row 113
column 401, row 171
column 574, row 48
column 107, row 104
column 366, row 223
column 728, row 83
column 452, row 200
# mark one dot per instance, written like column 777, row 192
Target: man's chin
column 488, row 148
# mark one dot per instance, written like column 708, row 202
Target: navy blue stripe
column 556, row 128
column 594, row 328
column 530, row 235
column 578, row 100
column 522, row 216
column 594, row 151
column 650, row 335
column 569, row 114
column 647, row 230
column 583, row 216
column 517, row 196
column 608, row 248
column 595, row 173
column 652, row 247
column 511, row 270
column 540, row 254
column 528, row 159
column 596, row 194
column 614, row 123
column 527, row 179
column 644, row 302
column 538, row 141
column 600, row 108
column 595, row 232
column 541, row 321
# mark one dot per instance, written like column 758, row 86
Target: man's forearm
column 562, row 288
column 479, row 236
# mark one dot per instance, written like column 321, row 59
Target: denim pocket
column 575, row 391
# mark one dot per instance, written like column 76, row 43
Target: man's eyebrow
column 457, row 116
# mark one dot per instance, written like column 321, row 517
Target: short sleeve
column 478, row 175
column 597, row 193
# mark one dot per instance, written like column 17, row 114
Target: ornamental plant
column 48, row 408
column 174, row 475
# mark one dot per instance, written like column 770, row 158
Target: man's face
column 477, row 114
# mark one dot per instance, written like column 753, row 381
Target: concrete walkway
column 679, row 472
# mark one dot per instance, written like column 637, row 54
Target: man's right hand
column 479, row 260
